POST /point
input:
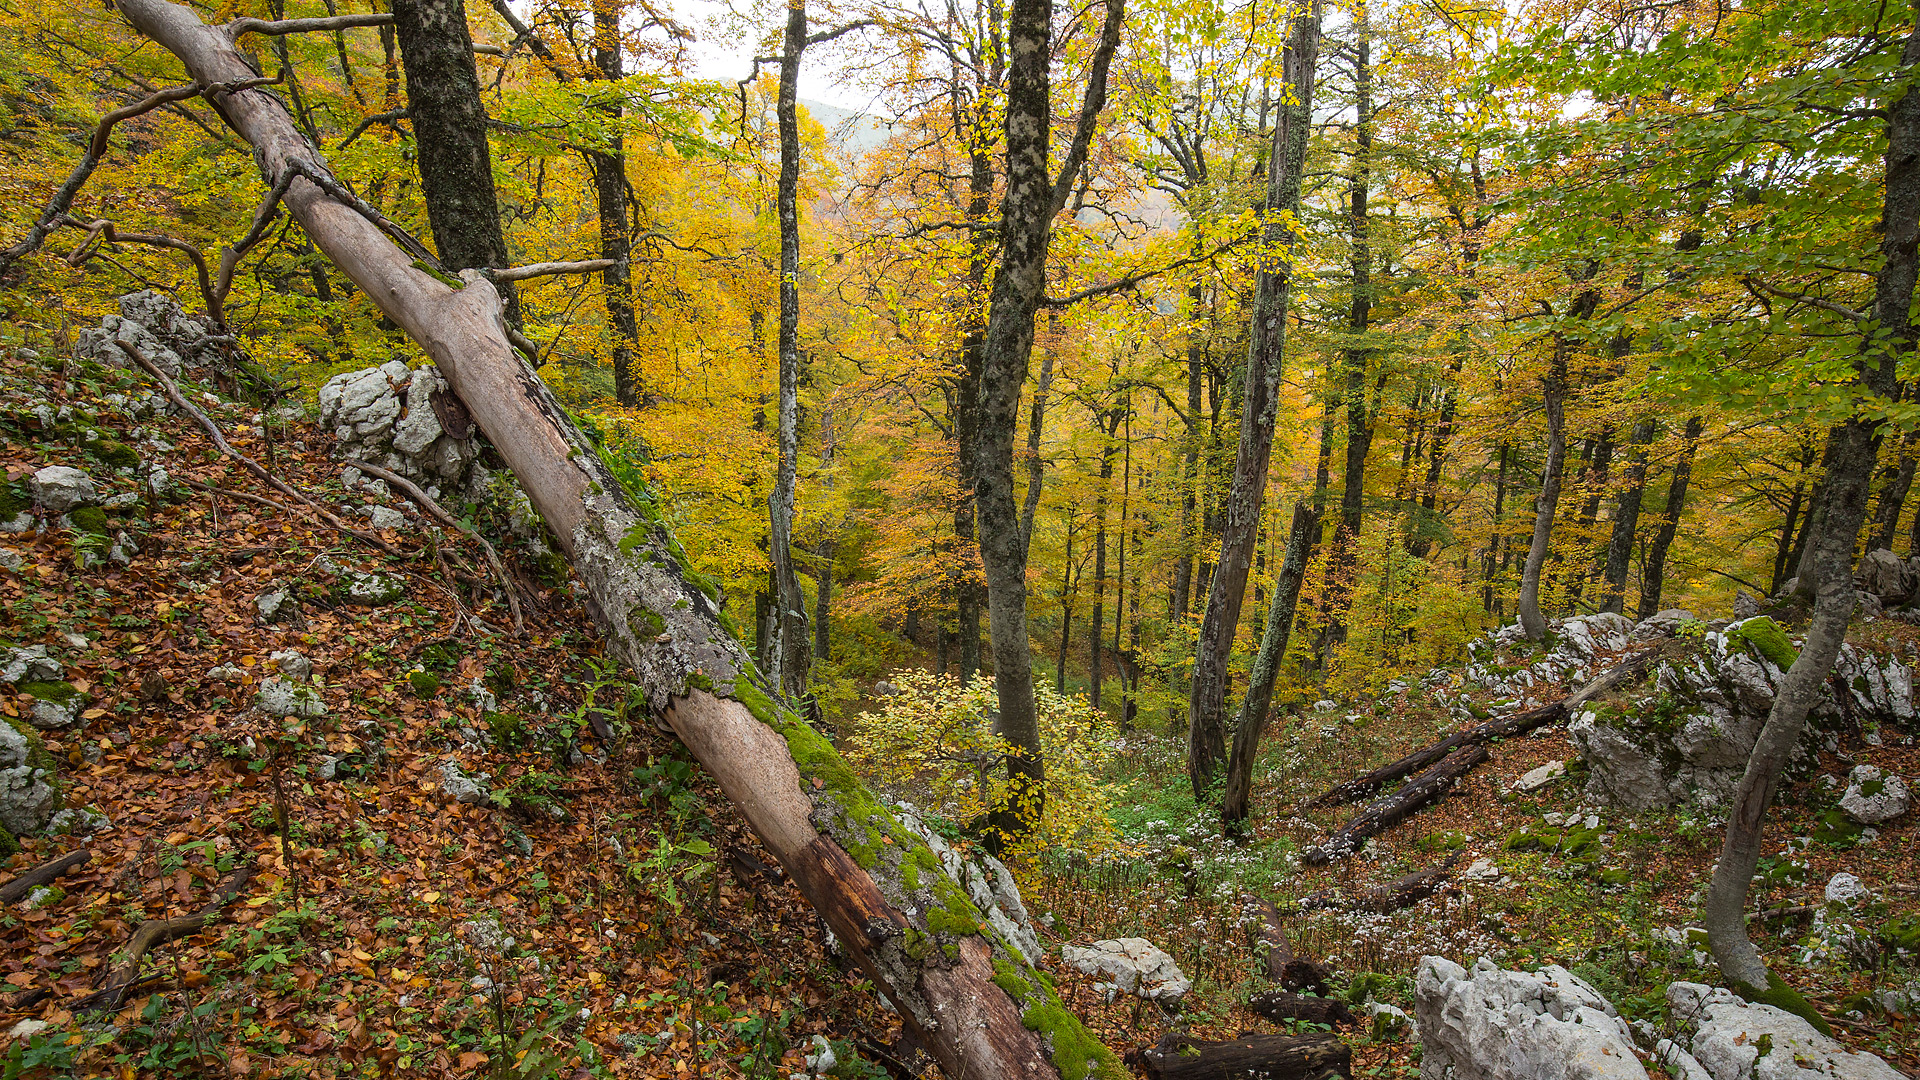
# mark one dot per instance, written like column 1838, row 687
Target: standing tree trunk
column 450, row 137
column 1302, row 536
column 1653, row 570
column 1109, row 425
column 1893, row 493
column 1032, row 201
column 1488, row 599
column 609, row 169
column 791, row 656
column 1554, row 394
column 1626, row 518
column 1783, row 551
column 1342, row 554
column 1266, row 353
column 1851, row 449
column 957, row 984
column 1182, row 600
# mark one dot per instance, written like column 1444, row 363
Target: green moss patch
column 425, row 684
column 1768, row 640
column 1781, row 996
column 89, row 519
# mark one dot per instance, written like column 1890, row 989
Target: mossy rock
column 1615, row 877
column 60, row 693
column 1835, row 829
column 551, row 570
column 425, row 684
column 1443, row 841
column 1579, row 842
column 13, row 500
column 113, row 454
column 9, row 847
column 90, row 520
column 37, row 755
column 1902, row 932
column 508, row 730
column 1768, row 640
column 1529, row 840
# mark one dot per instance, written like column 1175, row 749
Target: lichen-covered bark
column 969, row 995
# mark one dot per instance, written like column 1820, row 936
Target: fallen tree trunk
column 1500, row 727
column 1255, row 1057
column 1396, row 896
column 956, row 983
column 19, row 887
column 1384, row 813
column 1280, row 1005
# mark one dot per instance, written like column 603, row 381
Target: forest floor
column 617, row 918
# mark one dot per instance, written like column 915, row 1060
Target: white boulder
column 1495, row 1024
column 1874, row 797
column 1135, row 966
column 1739, row 1040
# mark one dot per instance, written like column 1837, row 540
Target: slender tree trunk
column 450, row 137
column 1190, row 463
column 1206, row 709
column 1342, row 555
column 957, row 984
column 1626, row 518
column 609, row 169
column 1784, row 549
column 1554, row 392
column 1893, row 493
column 1851, row 449
column 1303, row 534
column 1107, row 453
column 791, row 655
column 1654, row 569
column 1031, row 202
column 1488, row 600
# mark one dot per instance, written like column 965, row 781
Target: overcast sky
column 724, row 49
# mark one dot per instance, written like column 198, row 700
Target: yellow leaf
column 430, row 897
column 94, row 714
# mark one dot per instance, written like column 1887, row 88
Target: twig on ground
column 412, row 491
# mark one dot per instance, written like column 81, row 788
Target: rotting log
column 1394, row 896
column 19, row 887
column 1500, row 727
column 1279, row 1005
column 1389, row 810
column 1254, row 1057
column 910, row 928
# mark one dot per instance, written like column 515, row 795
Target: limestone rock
column 372, row 589
column 1495, row 1024
column 1135, row 966
column 1661, row 624
column 1538, row 778
column 59, row 489
column 27, row 795
column 30, row 663
column 277, row 604
column 989, row 885
column 471, row 790
column 292, row 664
column 159, row 328
column 283, row 697
column 1874, row 797
column 385, row 416
column 1889, row 578
column 1739, row 1040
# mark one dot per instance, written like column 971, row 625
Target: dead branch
column 260, row 473
column 100, row 230
column 153, row 932
column 377, row 118
column 1389, row 810
column 412, row 491
column 62, row 200
column 279, row 27
column 263, row 218
column 19, row 887
column 548, row 269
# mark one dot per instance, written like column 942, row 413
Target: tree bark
column 1626, row 518
column 1343, row 551
column 1266, row 354
column 1893, row 493
column 609, row 169
column 787, row 781
column 791, row 655
column 1851, row 449
column 1653, row 571
column 1032, row 200
column 450, row 137
column 1303, row 534
column 1249, row 1057
column 1554, row 395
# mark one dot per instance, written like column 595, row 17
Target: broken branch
column 412, row 491
column 548, row 269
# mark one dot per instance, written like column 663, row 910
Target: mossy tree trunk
column 970, row 997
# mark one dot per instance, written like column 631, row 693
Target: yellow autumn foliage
column 933, row 743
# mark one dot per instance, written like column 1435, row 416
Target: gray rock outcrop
column 1685, row 739
column 1495, row 1024
column 27, row 795
column 60, row 488
column 1874, row 797
column 385, row 416
column 1133, row 966
column 989, row 885
column 159, row 328
column 1731, row 1039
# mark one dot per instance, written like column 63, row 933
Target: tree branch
column 548, row 269
column 280, row 27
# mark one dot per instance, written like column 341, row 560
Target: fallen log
column 957, row 984
column 1254, row 1057
column 1396, row 896
column 1270, row 939
column 1500, row 727
column 122, row 977
column 1384, row 813
column 19, row 887
column 1279, row 1005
